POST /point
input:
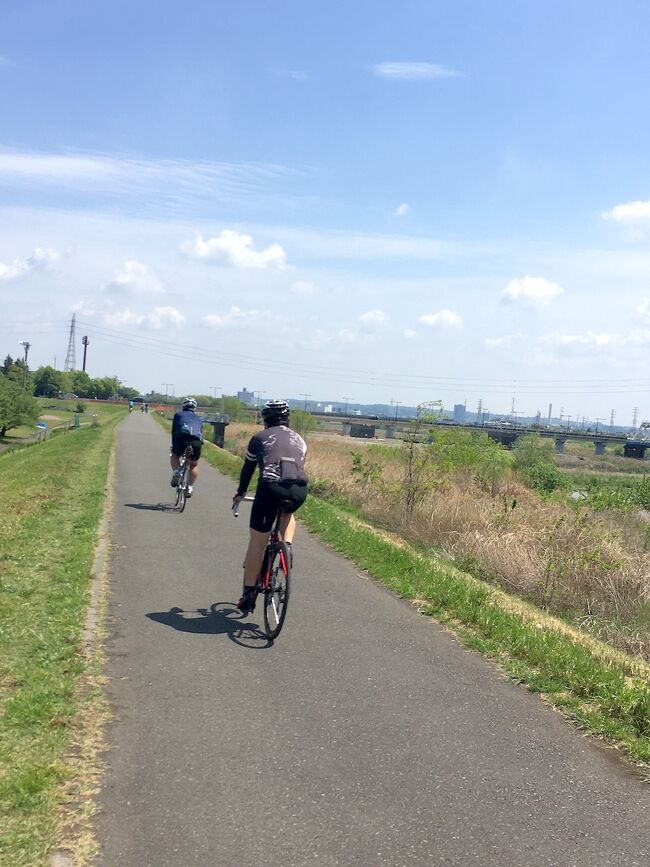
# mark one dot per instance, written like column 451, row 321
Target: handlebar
column 235, row 506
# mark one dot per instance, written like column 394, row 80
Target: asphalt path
column 365, row 735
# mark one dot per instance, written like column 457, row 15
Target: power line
column 418, row 381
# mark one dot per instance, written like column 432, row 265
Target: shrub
column 81, row 406
column 545, row 478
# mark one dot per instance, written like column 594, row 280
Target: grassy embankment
column 52, row 496
column 58, row 414
column 603, row 690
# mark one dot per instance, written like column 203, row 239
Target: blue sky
column 368, row 199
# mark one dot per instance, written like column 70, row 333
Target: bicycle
column 183, row 479
column 274, row 580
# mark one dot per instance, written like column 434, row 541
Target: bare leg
column 174, row 461
column 254, row 555
column 288, row 527
column 194, row 472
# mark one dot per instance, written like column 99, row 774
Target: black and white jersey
column 279, row 453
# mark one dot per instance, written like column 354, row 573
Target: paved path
column 364, row 736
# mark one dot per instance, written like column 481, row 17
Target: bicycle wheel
column 182, row 488
column 276, row 595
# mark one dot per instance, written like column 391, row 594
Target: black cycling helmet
column 189, row 403
column 275, row 411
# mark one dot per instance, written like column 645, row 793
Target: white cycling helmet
column 189, row 403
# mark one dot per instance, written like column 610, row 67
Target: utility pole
column 85, row 342
column 550, row 413
column 214, row 389
column 306, row 396
column 611, row 420
column 347, row 399
column 25, row 344
column 396, row 404
column 478, row 411
column 167, row 386
column 597, row 420
column 634, row 417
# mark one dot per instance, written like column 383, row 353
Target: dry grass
column 569, row 562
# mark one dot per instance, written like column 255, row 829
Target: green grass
column 602, row 690
column 52, row 496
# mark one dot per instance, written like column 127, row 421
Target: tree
column 79, row 383
column 302, row 422
column 17, row 407
column 234, row 408
column 49, row 382
column 104, row 387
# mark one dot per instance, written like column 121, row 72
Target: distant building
column 459, row 413
column 247, row 397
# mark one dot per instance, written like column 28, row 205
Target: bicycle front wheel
column 276, row 595
column 182, row 488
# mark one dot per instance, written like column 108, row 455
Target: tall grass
column 566, row 558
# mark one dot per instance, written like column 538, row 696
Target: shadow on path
column 152, row 507
column 221, row 618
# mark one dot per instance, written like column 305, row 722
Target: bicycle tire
column 276, row 595
column 182, row 488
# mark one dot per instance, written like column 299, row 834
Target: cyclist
column 186, row 430
column 279, row 452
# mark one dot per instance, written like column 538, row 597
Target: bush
column 81, row 406
column 545, row 478
column 302, row 422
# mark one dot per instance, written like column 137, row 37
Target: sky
column 362, row 200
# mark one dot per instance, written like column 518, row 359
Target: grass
column 52, row 499
column 604, row 691
column 60, row 414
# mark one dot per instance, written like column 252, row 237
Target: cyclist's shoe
column 247, row 603
column 190, row 490
column 176, row 475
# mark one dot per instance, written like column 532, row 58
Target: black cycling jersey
column 279, row 452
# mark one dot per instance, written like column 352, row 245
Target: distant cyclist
column 279, row 452
column 186, row 431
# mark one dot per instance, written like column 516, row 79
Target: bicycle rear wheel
column 276, row 596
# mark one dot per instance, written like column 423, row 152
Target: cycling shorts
column 180, row 443
column 267, row 498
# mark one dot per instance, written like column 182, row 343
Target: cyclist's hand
column 236, row 500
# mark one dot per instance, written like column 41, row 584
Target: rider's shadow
column 221, row 618
column 152, row 507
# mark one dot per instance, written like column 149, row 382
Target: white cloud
column 134, row 277
column 156, row 319
column 410, row 334
column 507, row 341
column 443, row 319
column 631, row 212
column 41, row 257
column 410, row 71
column 644, row 311
column 235, row 317
column 304, row 287
column 374, row 320
column 152, row 186
column 163, row 315
column 402, row 210
column 535, row 289
column 231, row 248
